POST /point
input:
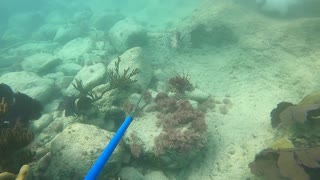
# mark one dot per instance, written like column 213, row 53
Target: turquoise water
column 218, row 89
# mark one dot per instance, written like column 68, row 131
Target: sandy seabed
column 273, row 60
column 269, row 64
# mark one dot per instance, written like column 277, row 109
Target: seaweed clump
column 83, row 103
column 86, row 92
column 121, row 80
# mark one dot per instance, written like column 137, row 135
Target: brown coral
column 12, row 140
column 293, row 163
column 288, row 114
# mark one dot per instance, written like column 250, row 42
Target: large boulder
column 67, row 33
column 40, row 63
column 31, row 84
column 77, row 147
column 126, row 34
column 172, row 137
column 105, row 20
column 74, row 49
column 68, row 69
column 30, row 48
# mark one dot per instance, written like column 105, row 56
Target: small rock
column 41, row 123
column 44, row 162
column 74, row 49
column 162, row 86
column 131, row 173
column 69, row 69
column 194, row 104
column 197, row 95
column 156, row 175
column 64, row 82
column 54, row 76
column 160, row 75
column 89, row 59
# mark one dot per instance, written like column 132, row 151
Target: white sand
column 235, row 138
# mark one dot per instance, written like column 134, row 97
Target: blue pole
column 104, row 157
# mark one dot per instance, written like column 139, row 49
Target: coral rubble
column 183, row 127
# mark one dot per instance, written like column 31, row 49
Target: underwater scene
column 160, row 90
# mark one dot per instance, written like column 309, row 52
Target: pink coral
column 183, row 126
column 182, row 141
